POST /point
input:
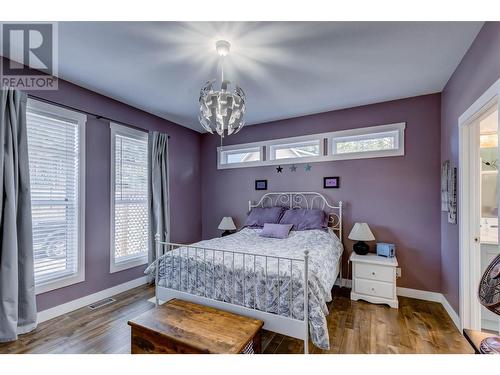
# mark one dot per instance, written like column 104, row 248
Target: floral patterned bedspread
column 258, row 281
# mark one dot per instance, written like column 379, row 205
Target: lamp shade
column 227, row 223
column 361, row 232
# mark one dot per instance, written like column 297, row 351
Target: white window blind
column 54, row 148
column 130, row 198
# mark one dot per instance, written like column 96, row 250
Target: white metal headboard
column 307, row 200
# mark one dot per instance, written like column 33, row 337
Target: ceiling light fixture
column 222, row 110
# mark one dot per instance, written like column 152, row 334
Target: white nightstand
column 374, row 279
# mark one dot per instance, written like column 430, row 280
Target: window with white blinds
column 55, row 146
column 129, row 191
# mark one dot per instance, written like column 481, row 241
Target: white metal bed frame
column 283, row 324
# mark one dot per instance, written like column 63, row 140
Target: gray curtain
column 17, row 284
column 159, row 207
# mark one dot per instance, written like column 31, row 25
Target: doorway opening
column 488, row 235
column 478, row 204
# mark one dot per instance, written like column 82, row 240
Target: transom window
column 231, row 157
column 305, row 149
column 359, row 143
column 365, row 143
column 372, row 142
column 241, row 155
column 55, row 149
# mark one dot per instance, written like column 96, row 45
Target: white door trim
column 468, row 209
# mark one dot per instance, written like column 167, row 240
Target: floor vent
column 102, row 303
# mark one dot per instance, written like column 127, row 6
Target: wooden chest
column 184, row 327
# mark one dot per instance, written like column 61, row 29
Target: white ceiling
column 287, row 69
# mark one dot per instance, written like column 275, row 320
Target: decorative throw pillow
column 276, row 230
column 260, row 216
column 305, row 219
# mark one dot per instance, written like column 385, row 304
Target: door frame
column 469, row 207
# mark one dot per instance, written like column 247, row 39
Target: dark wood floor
column 354, row 327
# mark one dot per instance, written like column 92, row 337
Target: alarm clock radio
column 386, row 249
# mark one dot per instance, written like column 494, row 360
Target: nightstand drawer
column 373, row 272
column 374, row 288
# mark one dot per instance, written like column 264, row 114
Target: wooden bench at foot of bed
column 178, row 327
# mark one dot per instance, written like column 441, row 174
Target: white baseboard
column 423, row 295
column 419, row 294
column 452, row 313
column 87, row 300
column 490, row 325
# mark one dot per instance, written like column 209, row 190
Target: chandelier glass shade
column 222, row 110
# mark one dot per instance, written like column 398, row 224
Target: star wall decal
column 293, row 168
column 279, row 169
column 308, row 167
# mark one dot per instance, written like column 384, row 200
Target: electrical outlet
column 398, row 272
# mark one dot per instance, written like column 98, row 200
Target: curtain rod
column 99, row 117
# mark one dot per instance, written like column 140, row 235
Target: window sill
column 127, row 264
column 60, row 283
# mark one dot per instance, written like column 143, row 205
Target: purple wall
column 479, row 69
column 184, row 187
column 398, row 196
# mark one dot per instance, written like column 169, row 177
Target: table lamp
column 361, row 232
column 227, row 225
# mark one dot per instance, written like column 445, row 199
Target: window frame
column 222, row 156
column 114, row 266
column 326, row 144
column 234, row 148
column 81, row 119
column 398, row 128
column 272, row 145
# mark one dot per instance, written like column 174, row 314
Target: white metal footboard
column 170, row 284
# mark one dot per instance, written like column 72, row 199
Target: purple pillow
column 304, row 219
column 260, row 216
column 276, row 230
